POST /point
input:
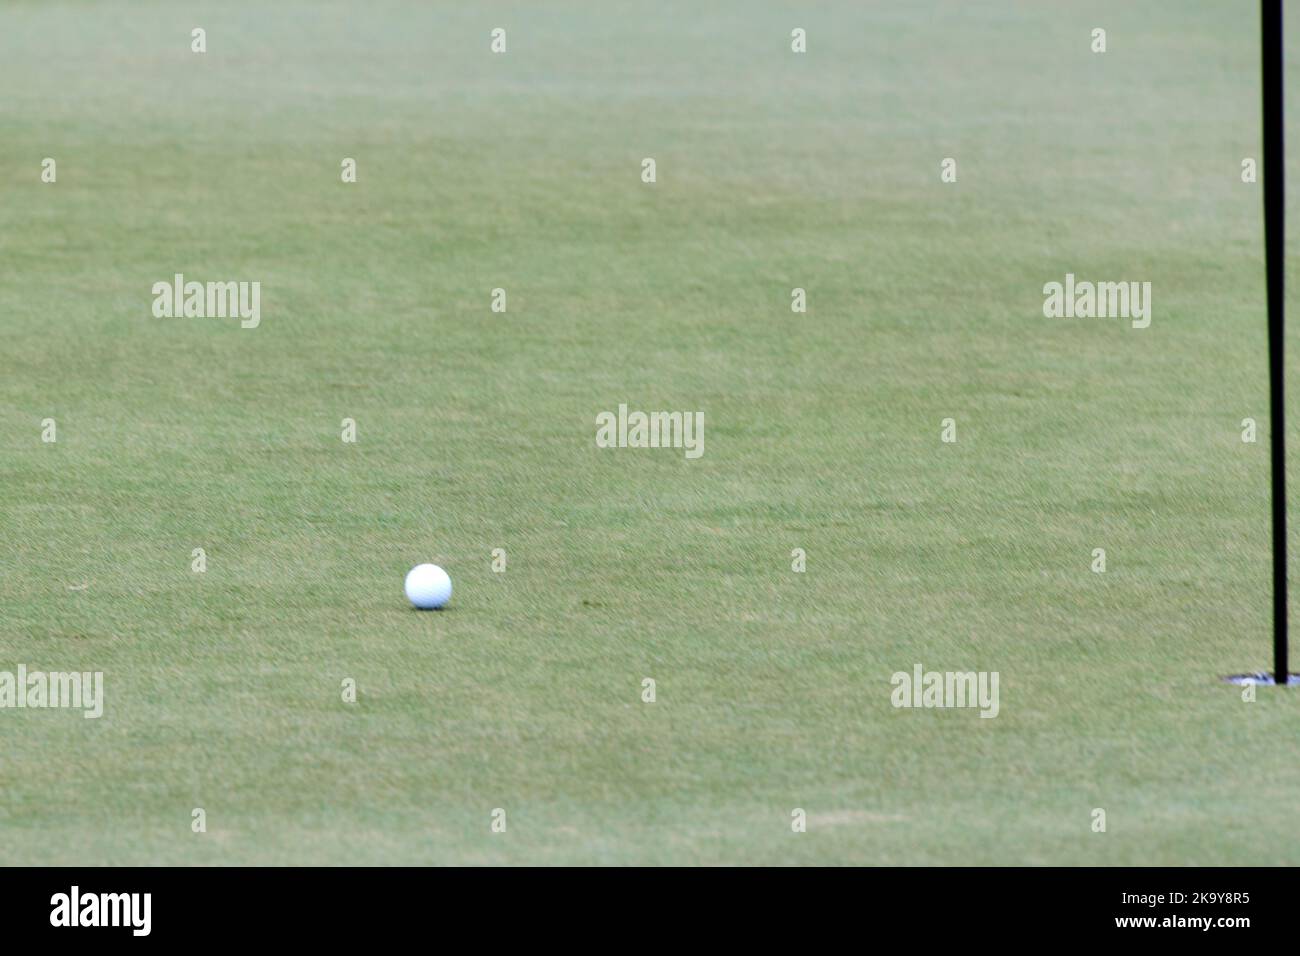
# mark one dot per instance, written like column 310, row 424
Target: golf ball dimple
column 428, row 586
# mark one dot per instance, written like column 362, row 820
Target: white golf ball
column 428, row 586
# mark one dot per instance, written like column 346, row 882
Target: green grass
column 476, row 431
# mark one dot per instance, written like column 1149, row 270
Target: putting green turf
column 476, row 431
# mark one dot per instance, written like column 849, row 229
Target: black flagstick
column 1274, row 237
